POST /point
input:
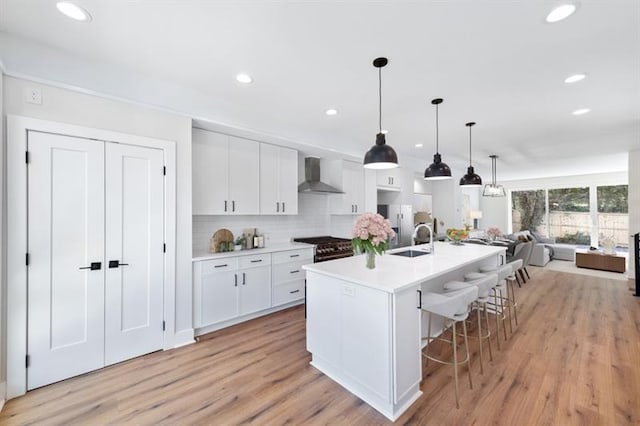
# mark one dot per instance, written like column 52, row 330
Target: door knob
column 95, row 266
column 116, row 263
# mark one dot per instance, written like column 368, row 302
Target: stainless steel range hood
column 312, row 184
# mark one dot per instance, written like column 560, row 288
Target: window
column 569, row 216
column 613, row 214
column 528, row 211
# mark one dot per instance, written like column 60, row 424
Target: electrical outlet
column 34, row 95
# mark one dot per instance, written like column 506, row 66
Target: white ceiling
column 494, row 62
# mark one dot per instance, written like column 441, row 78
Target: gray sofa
column 546, row 249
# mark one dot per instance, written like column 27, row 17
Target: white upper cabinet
column 349, row 176
column 389, row 179
column 278, row 180
column 225, row 174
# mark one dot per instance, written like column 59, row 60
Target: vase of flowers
column 371, row 234
column 493, row 233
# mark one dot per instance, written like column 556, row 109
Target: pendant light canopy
column 471, row 179
column 381, row 155
column 493, row 189
column 437, row 170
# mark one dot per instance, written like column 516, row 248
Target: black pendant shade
column 381, row 155
column 437, row 170
column 471, row 179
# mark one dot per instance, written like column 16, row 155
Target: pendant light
column 437, row 170
column 471, row 179
column 493, row 189
column 381, row 155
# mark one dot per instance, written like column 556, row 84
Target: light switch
column 34, row 95
column 348, row 290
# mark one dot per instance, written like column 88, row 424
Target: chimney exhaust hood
column 312, row 184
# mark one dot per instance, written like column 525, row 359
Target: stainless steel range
column 328, row 248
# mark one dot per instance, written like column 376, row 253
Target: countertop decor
column 371, row 234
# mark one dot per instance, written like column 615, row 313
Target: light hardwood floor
column 574, row 359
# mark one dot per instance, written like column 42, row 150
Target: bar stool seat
column 453, row 307
column 484, row 283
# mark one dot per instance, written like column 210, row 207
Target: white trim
column 17, row 127
column 184, row 338
column 3, row 394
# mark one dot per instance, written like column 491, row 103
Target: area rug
column 571, row 268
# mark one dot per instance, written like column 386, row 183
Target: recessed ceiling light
column 73, row 11
column 581, row 111
column 575, row 78
column 418, row 145
column 244, row 78
column 331, row 111
column 561, row 12
column 384, row 131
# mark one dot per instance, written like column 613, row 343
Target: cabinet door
column 210, row 173
column 244, row 176
column 269, row 179
column 353, row 178
column 288, row 171
column 219, row 297
column 255, row 289
column 389, row 178
column 407, row 339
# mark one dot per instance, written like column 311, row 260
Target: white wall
column 72, row 107
column 446, row 203
column 634, row 204
column 2, row 248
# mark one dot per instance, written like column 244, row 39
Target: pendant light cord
column 379, row 100
column 470, row 162
column 437, row 150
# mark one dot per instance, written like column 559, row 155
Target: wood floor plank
column 573, row 359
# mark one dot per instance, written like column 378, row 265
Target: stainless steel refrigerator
column 401, row 218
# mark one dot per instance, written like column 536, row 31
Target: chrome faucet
column 415, row 235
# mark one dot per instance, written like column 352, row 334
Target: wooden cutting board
column 222, row 237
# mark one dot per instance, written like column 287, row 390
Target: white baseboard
column 3, row 394
column 184, row 338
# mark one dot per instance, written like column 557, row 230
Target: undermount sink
column 411, row 253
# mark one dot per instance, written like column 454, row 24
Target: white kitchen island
column 364, row 325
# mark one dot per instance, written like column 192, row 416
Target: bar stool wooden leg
column 512, row 299
column 503, row 316
column 497, row 314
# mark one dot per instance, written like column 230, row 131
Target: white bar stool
column 503, row 271
column 484, row 284
column 515, row 266
column 453, row 307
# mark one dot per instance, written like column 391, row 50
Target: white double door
column 96, row 261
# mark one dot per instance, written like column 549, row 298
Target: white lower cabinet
column 287, row 275
column 237, row 288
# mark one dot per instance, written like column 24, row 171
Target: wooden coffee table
column 596, row 260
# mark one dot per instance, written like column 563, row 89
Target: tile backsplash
column 313, row 219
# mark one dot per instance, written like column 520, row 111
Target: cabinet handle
column 244, row 278
column 356, row 208
column 225, row 205
column 294, row 272
column 116, row 263
column 95, row 266
column 221, row 266
column 294, row 291
column 256, row 261
column 233, row 205
column 294, row 255
column 236, row 280
column 283, row 207
column 277, row 207
column 419, row 299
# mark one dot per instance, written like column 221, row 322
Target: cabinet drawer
column 219, row 265
column 288, row 271
column 305, row 255
column 254, row 261
column 288, row 292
